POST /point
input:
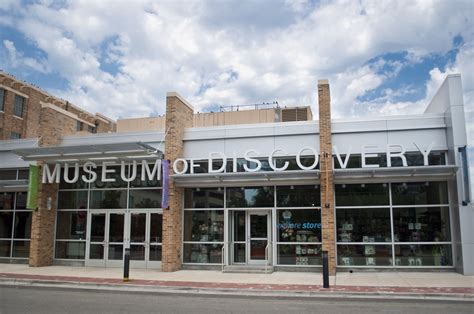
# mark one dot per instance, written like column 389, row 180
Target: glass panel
column 7, row 200
column 116, row 227
column 108, row 199
column 6, row 224
column 202, row 253
column 8, row 174
column 73, row 225
column 423, row 255
column 257, row 249
column 70, row 250
column 145, row 198
column 138, row 183
column 299, row 225
column 23, row 174
column 20, row 200
column 137, row 252
column 22, row 225
column 419, row 193
column 421, row 224
column 155, row 253
column 239, row 226
column 72, row 200
column 97, row 227
column 250, row 197
column 156, row 227
column 204, row 198
column 361, row 194
column 355, row 161
column 21, row 249
column 5, row 247
column 204, row 226
column 258, row 226
column 363, row 225
column 364, row 255
column 96, row 251
column 79, row 184
column 115, row 252
column 137, row 227
column 298, row 196
column 299, row 254
column 239, row 253
column 119, row 183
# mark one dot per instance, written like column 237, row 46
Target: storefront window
column 108, row 199
column 118, row 183
column 145, row 198
column 202, row 253
column 204, row 226
column 70, row 250
column 363, row 225
column 421, row 224
column 72, row 199
column 250, row 197
column 423, row 255
column 362, row 194
column 71, row 225
column 299, row 254
column 204, row 198
column 419, row 193
column 364, row 255
column 299, row 225
column 138, row 183
column 298, row 196
column 79, row 184
column 7, row 200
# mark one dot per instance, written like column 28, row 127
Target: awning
column 116, row 151
column 13, row 185
column 247, row 178
column 414, row 173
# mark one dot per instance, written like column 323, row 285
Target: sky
column 120, row 58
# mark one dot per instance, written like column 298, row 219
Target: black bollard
column 126, row 265
column 325, row 270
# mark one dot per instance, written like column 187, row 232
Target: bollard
column 126, row 265
column 325, row 270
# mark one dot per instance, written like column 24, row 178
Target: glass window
column 79, row 126
column 108, row 199
column 15, row 135
column 19, row 104
column 299, row 225
column 5, row 247
column 250, row 197
column 355, row 161
column 79, row 184
column 23, row 174
column 118, row 183
column 362, row 194
column 204, row 198
column 423, row 255
column 156, row 228
column 21, row 200
column 22, row 228
column 2, row 99
column 71, row 225
column 7, row 200
column 202, row 253
column 364, row 255
column 419, row 193
column 421, row 224
column 204, row 225
column 138, row 183
column 299, row 254
column 7, row 174
column 72, row 199
column 145, row 198
column 298, row 196
column 363, row 225
column 70, row 250
column 6, row 224
column 21, row 249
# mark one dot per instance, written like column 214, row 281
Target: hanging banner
column 165, row 178
column 32, row 197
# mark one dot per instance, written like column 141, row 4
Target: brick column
column 179, row 115
column 327, row 182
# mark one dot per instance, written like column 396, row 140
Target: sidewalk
column 426, row 285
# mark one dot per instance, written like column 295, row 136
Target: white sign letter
column 133, row 176
column 316, row 158
column 224, row 162
column 400, row 154
column 339, row 159
column 87, row 167
column 272, row 163
column 175, row 166
column 425, row 153
column 152, row 175
column 49, row 177
column 247, row 158
column 366, row 155
column 105, row 171
column 66, row 173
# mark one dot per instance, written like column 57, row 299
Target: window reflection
column 250, row 197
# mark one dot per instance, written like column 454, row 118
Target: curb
column 137, row 288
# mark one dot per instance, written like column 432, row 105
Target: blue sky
column 120, row 58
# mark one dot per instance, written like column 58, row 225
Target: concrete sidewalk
column 379, row 284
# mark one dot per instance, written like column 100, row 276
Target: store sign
column 182, row 166
column 52, row 173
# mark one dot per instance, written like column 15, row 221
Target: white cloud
column 17, row 59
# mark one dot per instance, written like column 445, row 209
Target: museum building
column 382, row 193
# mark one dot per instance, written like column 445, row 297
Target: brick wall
column 327, row 186
column 179, row 116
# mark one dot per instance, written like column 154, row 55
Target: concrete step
column 248, row 269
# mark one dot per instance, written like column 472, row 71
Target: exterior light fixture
column 343, row 186
column 292, row 187
column 362, row 185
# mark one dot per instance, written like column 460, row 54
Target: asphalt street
column 49, row 300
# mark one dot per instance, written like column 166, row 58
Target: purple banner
column 165, row 177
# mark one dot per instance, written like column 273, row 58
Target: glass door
column 154, row 240
column 239, row 243
column 95, row 252
column 145, row 230
column 258, row 236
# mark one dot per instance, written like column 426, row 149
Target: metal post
column 126, row 265
column 325, row 270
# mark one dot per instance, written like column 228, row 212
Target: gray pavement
column 34, row 300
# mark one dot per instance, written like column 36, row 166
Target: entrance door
column 106, row 239
column 145, row 229
column 258, row 228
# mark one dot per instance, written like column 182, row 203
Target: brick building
column 383, row 193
